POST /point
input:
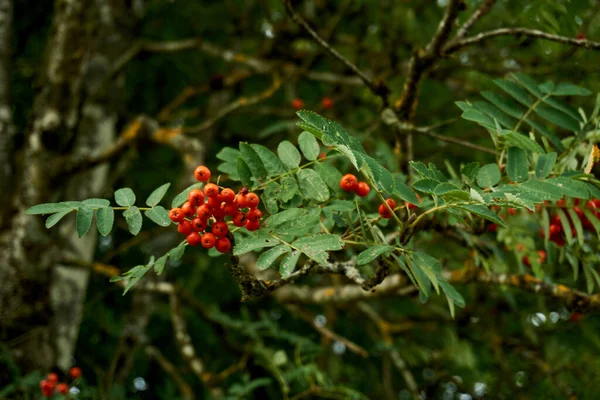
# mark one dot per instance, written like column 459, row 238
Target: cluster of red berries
column 556, row 229
column 541, row 255
column 202, row 217
column 326, row 103
column 50, row 385
column 349, row 183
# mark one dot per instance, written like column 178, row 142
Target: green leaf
column 483, row 212
column 159, row 265
column 372, row 253
column 517, row 92
column 312, row 186
column 287, row 190
column 488, row 175
column 452, row 294
column 425, row 186
column 125, row 197
column 157, row 195
column 253, row 161
column 159, row 215
column 382, row 178
column 289, row 154
column 340, row 205
column 96, row 203
column 269, row 159
column 285, row 216
column 330, row 175
column 521, row 141
column 105, row 218
column 568, row 89
column 84, row 219
column 133, row 217
column 309, row 146
column 431, row 267
column 269, row 198
column 228, row 154
column 177, row 252
column 517, row 165
column 267, row 258
column 565, row 224
column 244, row 172
column 506, row 104
column 451, row 192
column 477, row 116
column 301, row 226
column 289, row 263
column 404, row 192
column 259, row 241
column 570, row 187
column 557, row 117
column 542, row 189
column 54, row 218
column 545, row 164
column 316, row 247
column 593, row 220
column 470, row 170
column 183, row 196
column 577, row 225
column 47, row 208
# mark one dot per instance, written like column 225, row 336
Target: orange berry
column 252, row 225
column 253, row 200
column 188, row 209
column 223, row 245
column 208, row 240
column 196, row 197
column 362, row 189
column 185, row 227
column 214, row 201
column 230, row 209
column 240, row 219
column 52, row 377
column 220, row 229
column 75, row 372
column 227, row 195
column 176, row 214
column 297, row 104
column 202, row 173
column 254, row 215
column 194, row 239
column 348, row 183
column 198, row 224
column 241, row 200
column 204, row 211
column 211, row 190
column 327, row 103
column 62, row 388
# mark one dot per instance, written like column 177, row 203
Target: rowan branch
column 533, row 33
column 377, row 87
column 483, row 9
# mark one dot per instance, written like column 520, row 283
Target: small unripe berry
column 62, row 388
column 198, row 224
column 254, row 215
column 227, row 195
column 204, row 211
column 176, row 214
column 252, row 225
column 220, row 229
column 230, row 209
column 185, row 227
column 223, row 245
column 188, row 209
column 362, row 189
column 211, row 190
column 75, row 372
column 253, row 200
column 208, row 240
column 348, row 182
column 240, row 219
column 202, row 173
column 194, row 239
column 196, row 197
column 297, row 104
column 327, row 103
column 241, row 200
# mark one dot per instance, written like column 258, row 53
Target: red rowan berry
column 541, row 256
column 297, row 104
column 240, row 219
column 218, row 213
column 52, row 377
column 555, row 229
column 322, row 156
column 327, row 103
column 185, row 227
column 196, row 197
column 47, row 388
column 176, row 215
column 230, row 209
column 492, row 228
column 223, row 245
column 214, row 201
column 199, row 224
column 512, row 211
column 211, row 190
column 383, row 209
column 253, row 200
column 241, row 200
column 412, row 206
column 208, row 240
column 254, row 215
column 252, row 225
column 188, row 209
column 202, row 173
column 227, row 195
column 220, row 229
column 194, row 239
column 62, row 388
column 391, row 203
column 362, row 189
column 75, row 372
column 576, row 316
column 204, row 211
column 348, row 182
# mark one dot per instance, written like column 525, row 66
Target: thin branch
column 533, row 33
column 328, row 333
column 377, row 87
column 174, row 373
column 483, row 9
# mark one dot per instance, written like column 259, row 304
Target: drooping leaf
column 404, row 192
column 105, row 218
column 54, row 218
column 133, row 217
column 253, row 162
column 483, row 212
column 85, row 214
column 316, row 247
column 267, row 258
column 158, row 215
column 269, row 159
column 289, row 263
column 545, row 164
column 488, row 175
column 330, row 175
column 431, row 267
column 177, row 252
column 244, row 172
column 258, row 241
column 372, row 253
column 159, row 265
column 517, row 165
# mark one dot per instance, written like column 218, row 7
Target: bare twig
column 377, row 87
column 483, row 9
column 174, row 373
column 533, row 33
